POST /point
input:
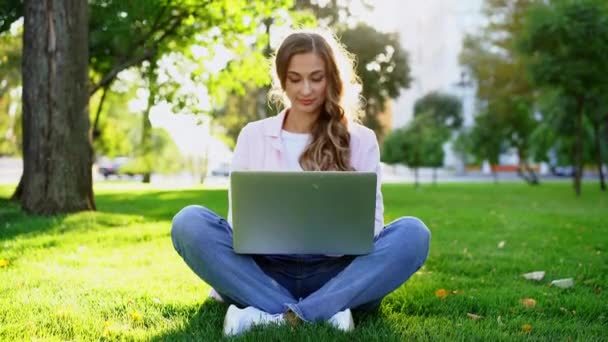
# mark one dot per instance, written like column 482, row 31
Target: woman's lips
column 306, row 102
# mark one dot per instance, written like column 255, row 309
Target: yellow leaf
column 527, row 328
column 528, row 302
column 4, row 262
column 136, row 316
column 441, row 293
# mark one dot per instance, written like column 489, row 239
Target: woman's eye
column 294, row 80
column 319, row 79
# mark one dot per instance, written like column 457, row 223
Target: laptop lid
column 320, row 212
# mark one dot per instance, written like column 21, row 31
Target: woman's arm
column 240, row 161
column 375, row 161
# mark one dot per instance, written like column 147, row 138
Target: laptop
column 308, row 212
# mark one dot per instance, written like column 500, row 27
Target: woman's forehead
column 306, row 63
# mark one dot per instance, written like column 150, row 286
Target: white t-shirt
column 295, row 144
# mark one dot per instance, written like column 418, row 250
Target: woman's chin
column 309, row 109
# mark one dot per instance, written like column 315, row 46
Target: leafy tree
column 567, row 42
column 463, row 145
column 597, row 112
column 418, row 144
column 500, row 72
column 444, row 109
column 440, row 113
column 486, row 140
column 382, row 65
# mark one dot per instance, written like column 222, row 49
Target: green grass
column 113, row 274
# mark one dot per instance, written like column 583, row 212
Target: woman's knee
column 414, row 233
column 187, row 221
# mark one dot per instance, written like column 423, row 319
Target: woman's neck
column 298, row 122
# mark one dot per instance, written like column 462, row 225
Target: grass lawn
column 113, row 274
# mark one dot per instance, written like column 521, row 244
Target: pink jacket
column 259, row 147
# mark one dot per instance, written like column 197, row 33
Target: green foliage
column 566, row 42
column 418, row 144
column 126, row 33
column 446, row 110
column 10, row 11
column 237, row 112
column 463, row 146
column 119, row 128
column 486, row 138
column 163, row 156
column 10, row 82
column 504, row 91
column 382, row 65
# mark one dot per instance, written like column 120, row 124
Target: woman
column 314, row 132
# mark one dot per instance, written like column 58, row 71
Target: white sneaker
column 238, row 320
column 343, row 320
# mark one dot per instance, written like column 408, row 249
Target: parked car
column 222, row 170
column 562, row 170
column 111, row 167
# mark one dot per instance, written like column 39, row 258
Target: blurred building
column 432, row 32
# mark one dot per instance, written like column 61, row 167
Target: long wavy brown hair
column 330, row 146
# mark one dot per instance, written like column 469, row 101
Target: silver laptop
column 320, row 212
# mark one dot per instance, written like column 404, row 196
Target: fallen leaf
column 527, row 328
column 538, row 275
column 441, row 293
column 501, row 244
column 4, row 262
column 563, row 283
column 474, row 316
column 528, row 302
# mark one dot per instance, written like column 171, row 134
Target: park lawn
column 113, row 274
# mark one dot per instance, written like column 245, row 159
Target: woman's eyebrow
column 316, row 72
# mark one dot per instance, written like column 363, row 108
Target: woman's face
column 306, row 83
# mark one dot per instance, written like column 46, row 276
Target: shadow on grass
column 14, row 221
column 161, row 205
column 206, row 324
column 150, row 206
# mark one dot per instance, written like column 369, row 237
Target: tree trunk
column 95, row 131
column 598, row 154
column 416, row 177
column 523, row 168
column 57, row 153
column 495, row 176
column 578, row 147
column 146, row 131
column 434, row 176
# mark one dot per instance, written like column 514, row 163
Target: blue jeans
column 313, row 287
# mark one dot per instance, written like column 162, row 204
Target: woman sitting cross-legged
column 315, row 132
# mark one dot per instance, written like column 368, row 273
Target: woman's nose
column 307, row 87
